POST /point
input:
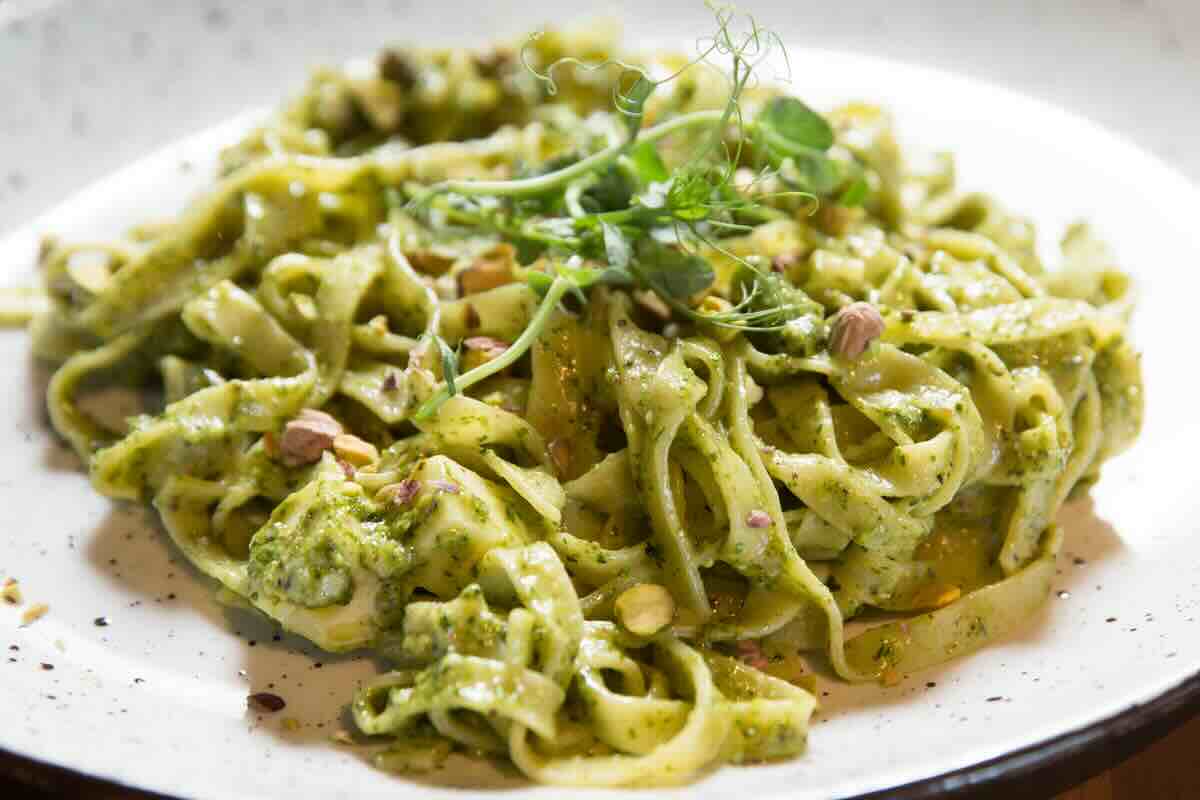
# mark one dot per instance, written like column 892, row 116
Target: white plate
column 157, row 699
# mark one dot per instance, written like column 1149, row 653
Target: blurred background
column 88, row 86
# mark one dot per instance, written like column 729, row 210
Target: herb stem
column 504, row 228
column 552, row 180
column 532, row 331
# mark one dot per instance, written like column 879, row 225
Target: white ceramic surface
column 157, row 697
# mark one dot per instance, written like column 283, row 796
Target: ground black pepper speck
column 266, row 702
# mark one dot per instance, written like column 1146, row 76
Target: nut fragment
column 854, row 328
column 265, row 702
column 354, row 450
column 430, row 261
column 751, row 653
column 493, row 268
column 787, row 263
column 833, row 219
column 714, row 306
column 34, row 613
column 653, row 303
column 307, row 436
column 560, row 454
column 11, row 592
column 480, row 350
column 758, row 519
column 645, row 609
column 401, row 493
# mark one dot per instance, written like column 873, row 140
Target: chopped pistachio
column 311, row 433
column 10, row 591
column 480, row 350
column 645, row 609
column 712, row 306
column 758, row 519
column 34, row 613
column 653, row 303
column 492, row 269
column 401, row 493
column 431, row 261
column 354, row 450
column 560, row 454
column 853, row 330
column 751, row 653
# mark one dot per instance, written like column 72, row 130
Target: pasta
column 596, row 421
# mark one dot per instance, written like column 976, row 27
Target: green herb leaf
column 856, row 193
column 612, row 190
column 655, row 196
column 791, row 124
column 689, row 195
column 538, row 281
column 632, row 104
column 449, row 364
column 578, row 278
column 646, row 164
column 393, row 198
column 616, row 246
column 813, row 172
column 671, row 272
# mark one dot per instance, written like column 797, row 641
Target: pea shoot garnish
column 620, row 216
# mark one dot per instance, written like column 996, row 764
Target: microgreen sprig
column 454, row 383
column 622, row 206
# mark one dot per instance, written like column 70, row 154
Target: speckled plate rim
column 1050, row 765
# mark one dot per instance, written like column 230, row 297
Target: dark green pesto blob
column 801, row 320
column 309, row 557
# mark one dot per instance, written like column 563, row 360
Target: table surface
column 1166, row 770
